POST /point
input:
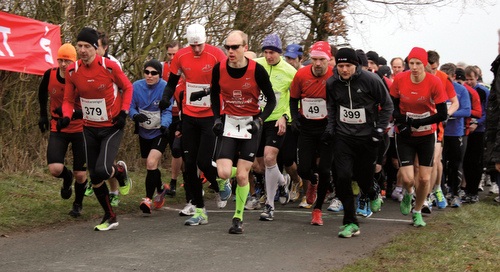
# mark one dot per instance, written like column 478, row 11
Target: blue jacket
column 455, row 124
column 147, row 97
column 484, row 93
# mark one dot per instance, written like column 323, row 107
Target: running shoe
column 461, row 193
column 252, row 203
column 295, row 190
column 90, row 190
column 236, row 226
column 221, row 204
column 262, row 199
column 432, row 200
column 486, row 179
column 481, row 186
column 397, row 194
column 316, row 218
column 349, row 230
column 304, row 204
column 172, row 190
column 114, row 200
column 440, row 199
column 405, row 205
column 494, row 189
column 76, row 211
column 267, row 214
column 188, row 210
column 283, row 192
column 497, row 199
column 199, row 218
column 364, row 208
column 455, row 202
column 122, row 168
column 312, row 193
column 376, row 204
column 427, row 207
column 418, row 221
column 159, row 199
column 66, row 193
column 474, row 199
column 107, row 223
column 335, row 205
column 145, row 205
column 224, row 188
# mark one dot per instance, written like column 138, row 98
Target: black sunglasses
column 153, row 73
column 234, row 47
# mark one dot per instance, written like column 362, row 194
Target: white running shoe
column 188, row 210
column 252, row 203
column 494, row 189
column 335, row 205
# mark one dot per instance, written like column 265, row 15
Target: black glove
column 403, row 119
column 58, row 111
column 326, row 137
column 140, row 118
column 296, row 125
column 377, row 134
column 200, row 94
column 164, row 131
column 62, row 123
column 43, row 123
column 120, row 120
column 416, row 123
column 164, row 104
column 256, row 124
column 404, row 130
column 77, row 114
column 218, row 127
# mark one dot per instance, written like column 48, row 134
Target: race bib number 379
column 94, row 109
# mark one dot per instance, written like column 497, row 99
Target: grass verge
column 464, row 239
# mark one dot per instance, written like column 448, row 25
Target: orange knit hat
column 67, row 51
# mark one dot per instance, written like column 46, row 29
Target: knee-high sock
column 79, row 192
column 273, row 178
column 102, row 194
column 67, row 177
column 241, row 198
column 152, row 178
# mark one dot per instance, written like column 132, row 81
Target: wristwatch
column 286, row 117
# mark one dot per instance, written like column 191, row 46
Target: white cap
column 195, row 34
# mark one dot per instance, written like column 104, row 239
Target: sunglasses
column 234, row 47
column 153, row 73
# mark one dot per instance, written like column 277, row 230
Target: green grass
column 464, row 239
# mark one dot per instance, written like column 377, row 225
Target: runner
column 93, row 79
column 236, row 83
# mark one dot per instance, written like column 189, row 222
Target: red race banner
column 27, row 45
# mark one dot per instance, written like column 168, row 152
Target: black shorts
column 408, row 147
column 270, row 137
column 58, row 145
column 232, row 148
column 159, row 143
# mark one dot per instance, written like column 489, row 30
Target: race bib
column 420, row 116
column 201, row 102
column 352, row 116
column 236, row 127
column 263, row 99
column 314, row 108
column 154, row 119
column 94, row 109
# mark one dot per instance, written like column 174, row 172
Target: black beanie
column 362, row 57
column 155, row 64
column 89, row 35
column 373, row 56
column 347, row 55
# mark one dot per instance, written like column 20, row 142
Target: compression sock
column 151, row 179
column 241, row 198
column 80, row 191
column 67, row 177
column 102, row 195
column 273, row 177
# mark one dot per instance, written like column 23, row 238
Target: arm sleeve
column 215, row 91
column 441, row 115
column 43, row 93
column 262, row 78
column 170, row 88
column 294, row 108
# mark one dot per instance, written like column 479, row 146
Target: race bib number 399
column 94, row 109
column 352, row 116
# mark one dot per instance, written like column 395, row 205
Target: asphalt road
column 161, row 242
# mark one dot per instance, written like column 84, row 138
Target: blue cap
column 293, row 51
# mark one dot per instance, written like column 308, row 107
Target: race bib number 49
column 94, row 109
column 314, row 108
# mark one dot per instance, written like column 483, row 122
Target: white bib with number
column 314, row 108
column 154, row 119
column 202, row 102
column 263, row 99
column 236, row 127
column 352, row 116
column 94, row 109
column 420, row 116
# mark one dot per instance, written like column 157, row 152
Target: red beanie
column 418, row 53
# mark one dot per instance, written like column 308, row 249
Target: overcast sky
column 468, row 35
